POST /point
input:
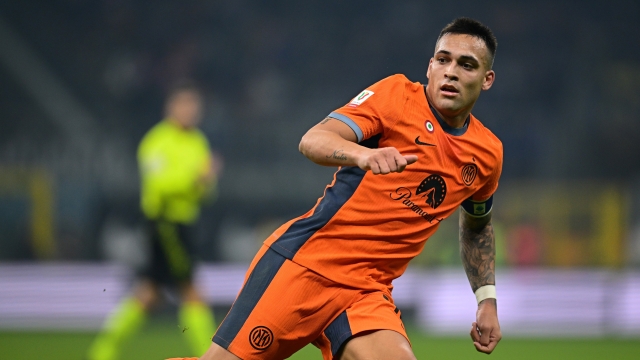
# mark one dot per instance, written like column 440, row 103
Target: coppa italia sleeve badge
column 362, row 97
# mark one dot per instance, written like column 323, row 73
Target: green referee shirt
column 172, row 161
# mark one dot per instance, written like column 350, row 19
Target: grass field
column 160, row 340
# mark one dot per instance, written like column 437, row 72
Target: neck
column 177, row 123
column 455, row 121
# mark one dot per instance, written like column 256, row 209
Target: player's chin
column 449, row 105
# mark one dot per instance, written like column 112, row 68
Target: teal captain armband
column 478, row 208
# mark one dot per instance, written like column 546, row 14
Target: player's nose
column 450, row 73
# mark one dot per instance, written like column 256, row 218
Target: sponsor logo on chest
column 426, row 197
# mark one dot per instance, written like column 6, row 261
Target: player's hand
column 485, row 331
column 385, row 160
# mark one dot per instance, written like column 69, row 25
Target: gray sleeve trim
column 351, row 123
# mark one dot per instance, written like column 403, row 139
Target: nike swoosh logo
column 423, row 143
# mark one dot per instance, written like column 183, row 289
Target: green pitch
column 160, row 340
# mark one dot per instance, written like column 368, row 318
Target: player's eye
column 442, row 60
column 468, row 66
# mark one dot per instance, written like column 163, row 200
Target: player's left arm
column 478, row 250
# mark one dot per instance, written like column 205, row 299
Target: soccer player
column 177, row 171
column 409, row 155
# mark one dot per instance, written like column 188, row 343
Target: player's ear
column 429, row 68
column 489, row 78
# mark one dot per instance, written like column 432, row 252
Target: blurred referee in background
column 177, row 170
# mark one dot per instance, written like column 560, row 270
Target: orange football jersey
column 366, row 228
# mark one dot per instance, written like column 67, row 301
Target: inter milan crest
column 434, row 189
column 261, row 337
column 469, row 173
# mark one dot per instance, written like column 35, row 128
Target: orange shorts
column 283, row 306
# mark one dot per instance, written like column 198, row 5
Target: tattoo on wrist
column 338, row 155
column 477, row 250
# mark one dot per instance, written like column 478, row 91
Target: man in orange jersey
column 409, row 155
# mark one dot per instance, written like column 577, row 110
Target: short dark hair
column 468, row 26
column 183, row 85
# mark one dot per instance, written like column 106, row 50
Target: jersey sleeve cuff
column 478, row 208
column 356, row 129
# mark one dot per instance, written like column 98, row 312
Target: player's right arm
column 334, row 143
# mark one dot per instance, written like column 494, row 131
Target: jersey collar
column 443, row 124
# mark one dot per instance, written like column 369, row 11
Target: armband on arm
column 477, row 208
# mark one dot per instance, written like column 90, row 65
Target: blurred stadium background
column 81, row 81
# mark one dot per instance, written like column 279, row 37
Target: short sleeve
column 490, row 187
column 375, row 109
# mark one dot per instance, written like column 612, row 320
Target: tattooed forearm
column 338, row 155
column 477, row 250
